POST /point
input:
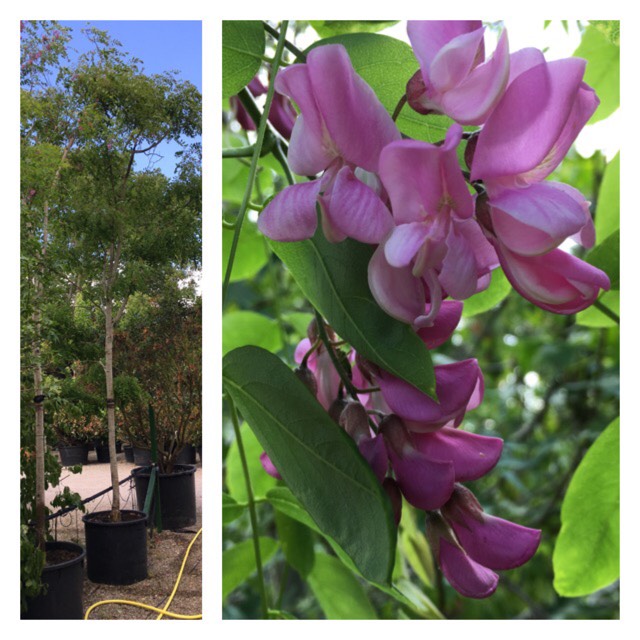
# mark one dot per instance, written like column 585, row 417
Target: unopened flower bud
column 393, row 491
column 336, row 409
column 416, row 91
column 305, row 375
column 355, row 421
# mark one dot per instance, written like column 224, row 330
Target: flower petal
column 356, row 121
column 455, row 386
column 291, row 215
column 373, row 450
column 467, row 577
column 455, row 60
column 268, row 466
column 536, row 219
column 472, row 455
column 397, row 291
column 404, row 242
column 444, row 324
column 356, row 210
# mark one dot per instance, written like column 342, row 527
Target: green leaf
column 338, row 591
column 327, row 28
column 606, row 256
column 240, row 328
column 333, row 276
column 231, row 509
column 251, row 254
column 497, row 291
column 239, row 562
column 603, row 70
column 610, row 28
column 587, row 553
column 608, row 210
column 415, row 547
column 297, row 543
column 593, row 317
column 261, row 481
column 242, row 50
column 317, row 460
column 387, row 64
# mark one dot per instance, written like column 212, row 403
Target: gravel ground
column 166, row 550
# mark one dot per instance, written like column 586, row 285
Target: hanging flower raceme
column 454, row 77
column 526, row 217
column 470, row 545
column 341, row 130
column 437, row 248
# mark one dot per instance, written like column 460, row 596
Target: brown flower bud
column 355, row 421
column 306, row 376
column 393, row 491
column 336, row 408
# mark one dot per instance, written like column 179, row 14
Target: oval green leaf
column 606, row 256
column 242, row 51
column 239, row 562
column 317, row 460
column 241, row 328
column 231, row 509
column 297, row 543
column 328, row 28
column 587, row 553
column 251, row 254
column 603, row 70
column 608, row 211
column 338, row 591
column 333, row 276
column 261, row 481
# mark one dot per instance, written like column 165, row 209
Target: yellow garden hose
column 148, row 607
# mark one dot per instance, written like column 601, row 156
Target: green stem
column 283, row 584
column 252, row 508
column 289, row 45
column 607, row 312
column 262, row 129
column 280, row 156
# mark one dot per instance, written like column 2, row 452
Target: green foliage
column 594, row 317
column 231, row 510
column 251, row 255
column 340, row 594
column 240, row 328
column 606, row 256
column 31, row 564
column 297, row 543
column 243, row 44
column 239, row 562
column 261, row 482
column 498, row 290
column 315, row 457
column 603, row 70
column 610, row 28
column 587, row 554
column 608, row 210
column 328, row 28
column 333, row 276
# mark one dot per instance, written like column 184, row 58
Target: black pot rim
column 178, row 470
column 90, row 520
column 69, row 546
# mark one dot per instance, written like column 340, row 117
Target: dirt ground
column 166, row 550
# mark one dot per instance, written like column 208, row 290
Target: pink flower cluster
column 439, row 231
column 416, row 450
column 411, row 198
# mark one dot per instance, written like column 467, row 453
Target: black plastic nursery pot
column 177, row 495
column 102, row 452
column 186, row 455
column 116, row 551
column 63, row 597
column 141, row 455
column 128, row 453
column 71, row 455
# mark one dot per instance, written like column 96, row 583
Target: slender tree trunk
column 111, row 408
column 39, row 439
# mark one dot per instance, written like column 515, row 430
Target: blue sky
column 162, row 45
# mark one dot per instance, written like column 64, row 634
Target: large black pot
column 141, row 455
column 116, row 551
column 102, row 452
column 73, row 454
column 63, row 597
column 177, row 495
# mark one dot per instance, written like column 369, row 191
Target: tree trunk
column 111, row 409
column 40, row 443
